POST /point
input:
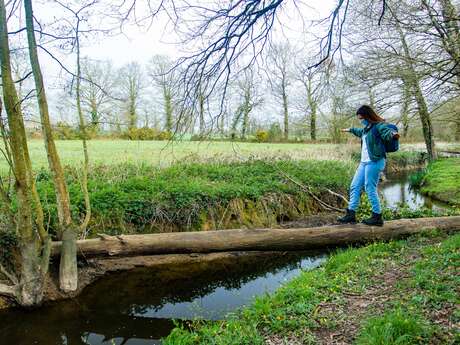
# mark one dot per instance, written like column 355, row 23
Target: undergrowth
column 127, row 198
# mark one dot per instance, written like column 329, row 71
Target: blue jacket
column 374, row 145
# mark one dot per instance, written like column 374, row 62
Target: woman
column 373, row 157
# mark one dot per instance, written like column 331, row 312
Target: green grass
column 442, row 180
column 162, row 153
column 295, row 311
column 134, row 198
column 395, row 327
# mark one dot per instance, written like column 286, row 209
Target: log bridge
column 256, row 239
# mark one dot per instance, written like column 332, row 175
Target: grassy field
column 397, row 293
column 161, row 153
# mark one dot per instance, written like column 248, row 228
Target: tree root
column 9, row 275
column 9, row 290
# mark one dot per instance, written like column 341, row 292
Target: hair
column 369, row 114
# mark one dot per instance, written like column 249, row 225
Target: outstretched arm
column 356, row 131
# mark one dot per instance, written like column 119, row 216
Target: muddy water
column 137, row 307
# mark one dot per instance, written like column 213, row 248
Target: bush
column 262, row 136
column 144, row 133
column 164, row 135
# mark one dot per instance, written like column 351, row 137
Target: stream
column 138, row 306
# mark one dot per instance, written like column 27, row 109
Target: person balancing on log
column 377, row 138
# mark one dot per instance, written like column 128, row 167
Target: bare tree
column 97, row 85
column 247, row 85
column 312, row 82
column 279, row 60
column 161, row 72
column 131, row 85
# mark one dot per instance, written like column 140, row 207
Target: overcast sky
column 138, row 43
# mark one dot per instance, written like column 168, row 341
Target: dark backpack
column 391, row 145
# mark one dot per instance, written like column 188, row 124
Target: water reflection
column 397, row 191
column 137, row 307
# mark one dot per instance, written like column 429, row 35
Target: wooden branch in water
column 257, row 239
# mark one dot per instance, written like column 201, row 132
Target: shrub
column 164, row 135
column 144, row 133
column 262, row 136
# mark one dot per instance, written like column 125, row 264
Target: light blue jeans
column 367, row 176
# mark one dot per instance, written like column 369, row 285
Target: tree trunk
column 257, row 239
column 246, row 110
column 371, row 98
column 425, row 118
column 68, row 283
column 84, row 137
column 312, row 105
column 414, row 82
column 168, row 109
column 286, row 115
column 132, row 116
column 405, row 108
column 201, row 113
column 34, row 265
column 457, row 131
column 94, row 113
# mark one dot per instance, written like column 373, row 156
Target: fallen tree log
column 256, row 239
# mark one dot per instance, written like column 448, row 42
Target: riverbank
column 128, row 198
column 378, row 294
column 441, row 180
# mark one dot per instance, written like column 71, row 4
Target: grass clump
column 395, row 327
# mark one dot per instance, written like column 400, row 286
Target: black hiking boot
column 350, row 217
column 375, row 219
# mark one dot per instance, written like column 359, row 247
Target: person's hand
column 345, row 130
